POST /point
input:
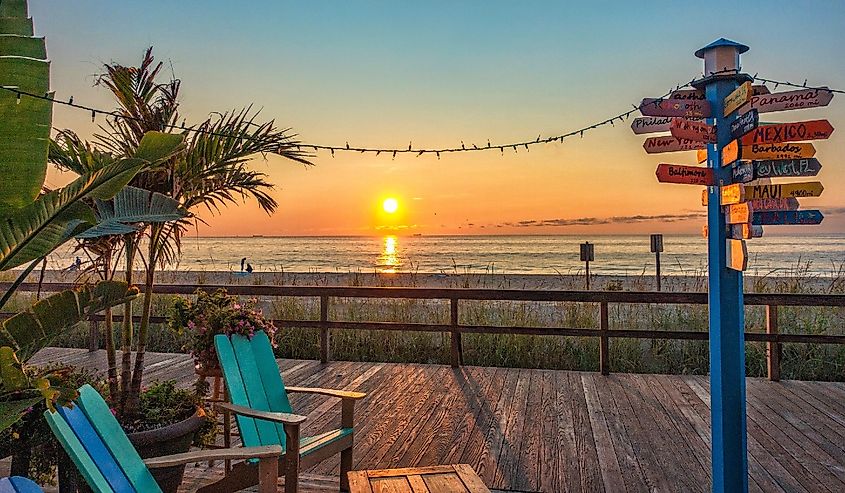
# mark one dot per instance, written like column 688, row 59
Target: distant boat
column 417, row 234
column 258, row 236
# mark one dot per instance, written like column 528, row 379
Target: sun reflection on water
column 389, row 258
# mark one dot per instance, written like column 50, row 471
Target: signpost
column 737, row 256
column 587, row 255
column 784, row 190
column 739, row 213
column 773, row 168
column 653, row 145
column 675, row 107
column 651, row 124
column 746, row 231
column 699, row 94
column 791, row 100
column 682, row 128
column 686, row 175
column 730, row 152
column 788, row 150
column 745, row 123
column 742, row 172
column 731, row 194
column 656, row 248
column 776, row 133
column 788, row 204
column 788, row 217
column 738, row 98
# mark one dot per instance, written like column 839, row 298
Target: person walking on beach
column 248, row 268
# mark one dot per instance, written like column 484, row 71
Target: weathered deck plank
column 542, row 430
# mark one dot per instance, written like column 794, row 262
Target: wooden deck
column 550, row 431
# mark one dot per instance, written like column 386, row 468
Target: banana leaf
column 131, row 207
column 34, row 328
column 39, row 228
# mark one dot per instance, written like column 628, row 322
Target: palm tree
column 209, row 173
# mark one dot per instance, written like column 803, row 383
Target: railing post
column 773, row 349
column 325, row 335
column 457, row 346
column 604, row 347
column 94, row 335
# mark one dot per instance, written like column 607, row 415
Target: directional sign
column 675, row 107
column 783, row 190
column 742, row 172
column 699, row 94
column 788, row 217
column 737, row 255
column 786, row 167
column 701, row 155
column 745, row 123
column 789, row 132
column 746, row 231
column 791, row 100
column 687, row 175
column 738, row 213
column 651, row 124
column 732, row 194
column 693, row 130
column 738, row 97
column 730, row 152
column 653, row 145
column 788, row 150
column 788, row 204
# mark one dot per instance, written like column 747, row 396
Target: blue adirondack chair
column 105, row 457
column 17, row 484
column 259, row 400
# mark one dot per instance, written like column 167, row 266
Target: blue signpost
column 727, row 321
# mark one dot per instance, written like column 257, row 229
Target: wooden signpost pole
column 727, row 344
column 656, row 248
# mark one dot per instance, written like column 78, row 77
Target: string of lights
column 393, row 151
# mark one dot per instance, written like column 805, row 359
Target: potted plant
column 198, row 321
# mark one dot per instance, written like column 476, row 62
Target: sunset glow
column 390, row 205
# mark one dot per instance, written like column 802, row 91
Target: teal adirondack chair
column 105, row 457
column 259, row 400
column 18, row 484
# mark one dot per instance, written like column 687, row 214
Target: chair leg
column 268, row 475
column 291, row 458
column 345, row 467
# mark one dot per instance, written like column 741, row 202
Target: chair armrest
column 343, row 394
column 264, row 452
column 284, row 418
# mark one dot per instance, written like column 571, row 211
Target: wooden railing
column 772, row 337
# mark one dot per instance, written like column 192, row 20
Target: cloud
column 833, row 210
column 593, row 221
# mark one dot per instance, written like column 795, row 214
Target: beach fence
column 772, row 337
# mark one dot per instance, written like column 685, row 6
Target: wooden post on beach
column 773, row 349
column 325, row 335
column 587, row 255
column 656, row 248
column 604, row 343
column 94, row 335
column 456, row 343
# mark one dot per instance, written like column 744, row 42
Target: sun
column 390, row 205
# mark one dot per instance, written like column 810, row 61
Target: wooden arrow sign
column 675, row 107
column 651, row 124
column 701, row 155
column 746, row 231
column 789, row 132
column 693, row 130
column 686, row 175
column 791, row 100
column 745, row 123
column 788, row 150
column 732, row 194
column 738, row 213
column 742, row 172
column 738, row 97
column 787, row 204
column 699, row 94
column 783, row 190
column 775, row 168
column 810, row 217
column 653, row 145
column 730, row 152
column 737, row 254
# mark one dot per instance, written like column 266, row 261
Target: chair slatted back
column 99, row 447
column 253, row 380
column 18, row 484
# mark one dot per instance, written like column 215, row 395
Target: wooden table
column 458, row 478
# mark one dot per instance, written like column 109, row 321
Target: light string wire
column 410, row 149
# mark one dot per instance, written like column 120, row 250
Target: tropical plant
column 34, row 224
column 209, row 172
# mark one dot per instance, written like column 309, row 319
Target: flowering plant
column 211, row 314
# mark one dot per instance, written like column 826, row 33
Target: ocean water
column 614, row 255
